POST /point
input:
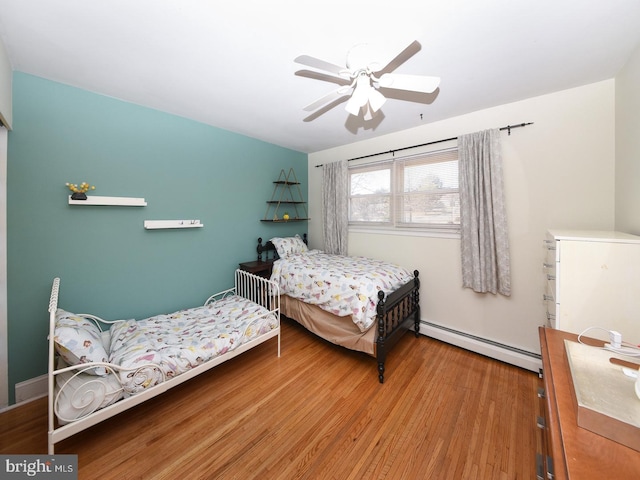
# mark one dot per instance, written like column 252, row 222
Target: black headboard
column 269, row 249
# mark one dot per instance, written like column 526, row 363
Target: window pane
column 417, row 191
column 369, row 182
column 431, row 176
column 371, row 208
column 441, row 208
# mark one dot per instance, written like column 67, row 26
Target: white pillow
column 289, row 246
column 78, row 340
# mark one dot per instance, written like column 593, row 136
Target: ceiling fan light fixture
column 368, row 114
column 352, row 107
column 376, row 99
column 361, row 94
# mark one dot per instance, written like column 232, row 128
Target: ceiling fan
column 363, row 76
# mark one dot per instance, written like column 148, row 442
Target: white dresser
column 593, row 280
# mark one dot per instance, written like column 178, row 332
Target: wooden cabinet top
column 257, row 267
column 577, row 453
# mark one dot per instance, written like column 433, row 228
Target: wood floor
column 317, row 412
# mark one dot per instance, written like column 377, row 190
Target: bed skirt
column 338, row 330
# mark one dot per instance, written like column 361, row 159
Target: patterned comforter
column 180, row 341
column 339, row 284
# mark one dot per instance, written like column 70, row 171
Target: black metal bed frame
column 396, row 313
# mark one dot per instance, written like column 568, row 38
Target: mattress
column 166, row 346
column 342, row 285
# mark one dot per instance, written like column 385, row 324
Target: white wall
column 628, row 146
column 559, row 173
column 6, row 111
column 4, row 355
column 6, row 115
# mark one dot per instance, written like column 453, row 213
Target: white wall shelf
column 114, row 201
column 158, row 224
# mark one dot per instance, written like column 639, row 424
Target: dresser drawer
column 551, row 307
column 549, row 269
column 550, row 247
column 544, row 462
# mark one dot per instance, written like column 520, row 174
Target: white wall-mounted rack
column 158, row 224
column 113, row 201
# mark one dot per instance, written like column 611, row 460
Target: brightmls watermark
column 50, row 467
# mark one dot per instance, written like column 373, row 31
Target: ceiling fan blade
column 414, row 83
column 408, row 52
column 320, row 64
column 322, row 76
column 331, row 96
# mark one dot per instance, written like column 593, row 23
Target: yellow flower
column 83, row 188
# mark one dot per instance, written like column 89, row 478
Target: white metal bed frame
column 252, row 287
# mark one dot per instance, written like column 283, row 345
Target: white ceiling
column 232, row 65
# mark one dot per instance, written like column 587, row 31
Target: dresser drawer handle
column 546, row 297
column 551, row 277
column 549, row 468
column 540, row 392
column 539, row 467
column 540, row 423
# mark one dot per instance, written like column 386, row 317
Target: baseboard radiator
column 505, row 353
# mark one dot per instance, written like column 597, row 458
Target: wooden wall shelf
column 285, row 221
column 286, row 198
column 110, row 201
column 163, row 224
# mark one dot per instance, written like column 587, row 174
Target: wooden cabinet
column 259, row 267
column 593, row 280
column 569, row 451
column 287, row 203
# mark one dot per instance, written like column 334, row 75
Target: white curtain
column 335, row 200
column 483, row 220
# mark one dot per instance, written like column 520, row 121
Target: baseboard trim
column 31, row 389
column 504, row 353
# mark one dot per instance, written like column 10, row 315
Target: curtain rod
column 508, row 128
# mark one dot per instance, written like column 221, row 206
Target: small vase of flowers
column 79, row 192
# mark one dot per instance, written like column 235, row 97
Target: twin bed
column 99, row 368
column 356, row 302
column 96, row 372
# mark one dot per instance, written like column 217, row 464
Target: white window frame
column 395, row 226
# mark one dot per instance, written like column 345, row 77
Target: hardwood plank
column 318, row 411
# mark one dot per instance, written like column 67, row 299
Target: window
column 420, row 191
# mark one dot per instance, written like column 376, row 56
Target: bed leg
column 381, row 372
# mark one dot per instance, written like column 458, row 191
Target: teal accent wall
column 108, row 264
